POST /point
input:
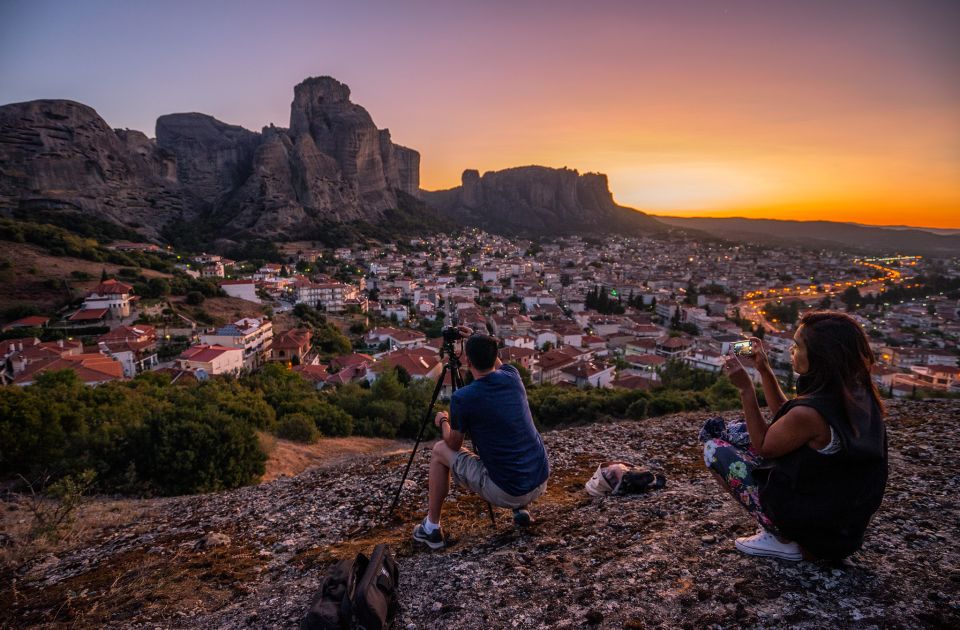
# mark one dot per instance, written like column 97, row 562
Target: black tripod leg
column 423, row 426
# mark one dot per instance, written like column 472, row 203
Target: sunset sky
column 842, row 110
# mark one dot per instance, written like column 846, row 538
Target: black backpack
column 358, row 593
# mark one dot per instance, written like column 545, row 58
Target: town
column 576, row 311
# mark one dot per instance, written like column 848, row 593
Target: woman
column 815, row 475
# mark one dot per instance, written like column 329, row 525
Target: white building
column 213, row 359
column 253, row 336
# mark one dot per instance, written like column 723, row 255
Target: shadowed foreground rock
column 659, row 560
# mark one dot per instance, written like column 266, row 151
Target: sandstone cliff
column 538, row 200
column 60, row 155
column 254, row 557
column 332, row 165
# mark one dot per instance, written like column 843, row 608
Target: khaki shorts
column 469, row 472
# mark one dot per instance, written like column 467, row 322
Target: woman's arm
column 797, row 427
column 771, row 387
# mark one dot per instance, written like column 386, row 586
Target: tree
column 851, row 298
column 195, row 298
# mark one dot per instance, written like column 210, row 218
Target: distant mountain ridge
column 537, row 201
column 852, row 236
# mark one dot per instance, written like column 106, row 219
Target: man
column 510, row 467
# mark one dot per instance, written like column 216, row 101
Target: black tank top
column 825, row 502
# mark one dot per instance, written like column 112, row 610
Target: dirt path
column 287, row 458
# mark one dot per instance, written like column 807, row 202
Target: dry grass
column 91, row 521
column 31, row 267
column 286, row 458
column 152, row 585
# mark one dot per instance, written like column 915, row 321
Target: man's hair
column 481, row 351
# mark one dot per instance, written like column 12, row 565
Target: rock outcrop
column 60, row 155
column 538, row 200
column 331, row 166
column 254, row 557
column 212, row 157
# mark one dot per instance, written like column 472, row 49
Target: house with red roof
column 402, row 338
column 91, row 369
column 213, row 359
column 22, row 353
column 112, row 297
column 419, row 363
column 31, row 321
column 292, row 346
column 135, row 347
column 317, row 375
column 588, row 374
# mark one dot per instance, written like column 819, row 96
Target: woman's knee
column 710, row 449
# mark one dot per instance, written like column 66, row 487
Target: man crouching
column 509, row 468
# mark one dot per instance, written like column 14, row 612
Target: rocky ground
column 254, row 557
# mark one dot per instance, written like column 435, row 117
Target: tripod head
column 451, row 335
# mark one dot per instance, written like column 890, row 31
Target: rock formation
column 332, row 165
column 60, row 155
column 537, row 200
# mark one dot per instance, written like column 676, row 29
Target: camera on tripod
column 452, row 334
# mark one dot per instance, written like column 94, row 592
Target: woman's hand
column 439, row 419
column 758, row 355
column 737, row 375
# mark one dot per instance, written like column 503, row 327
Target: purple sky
column 839, row 109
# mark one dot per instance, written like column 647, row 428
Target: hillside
column 852, row 236
column 253, row 557
column 36, row 278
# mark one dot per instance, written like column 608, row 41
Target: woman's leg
column 732, row 467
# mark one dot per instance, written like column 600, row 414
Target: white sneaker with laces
column 765, row 544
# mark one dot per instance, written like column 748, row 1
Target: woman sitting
column 814, row 477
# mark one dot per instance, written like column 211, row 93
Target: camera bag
column 375, row 601
column 356, row 593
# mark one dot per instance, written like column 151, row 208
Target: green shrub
column 297, row 427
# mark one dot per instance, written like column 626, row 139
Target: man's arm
column 452, row 437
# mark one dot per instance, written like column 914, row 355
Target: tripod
column 452, row 367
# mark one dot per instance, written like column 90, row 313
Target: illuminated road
column 753, row 302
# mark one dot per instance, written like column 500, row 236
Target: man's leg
column 439, row 485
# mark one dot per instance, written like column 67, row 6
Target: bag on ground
column 356, row 593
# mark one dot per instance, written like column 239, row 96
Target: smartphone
column 740, row 348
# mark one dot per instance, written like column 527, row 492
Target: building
column 91, row 369
column 112, row 297
column 292, row 346
column 135, row 347
column 395, row 338
column 31, row 321
column 419, row 363
column 253, row 336
column 333, row 297
column 212, row 359
column 587, row 374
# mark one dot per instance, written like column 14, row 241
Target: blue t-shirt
column 495, row 413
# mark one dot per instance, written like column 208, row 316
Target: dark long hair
column 839, row 358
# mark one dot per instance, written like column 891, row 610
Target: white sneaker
column 765, row 544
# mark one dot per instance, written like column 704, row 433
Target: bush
column 195, row 298
column 297, row 427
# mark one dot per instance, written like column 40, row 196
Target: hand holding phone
column 742, row 348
